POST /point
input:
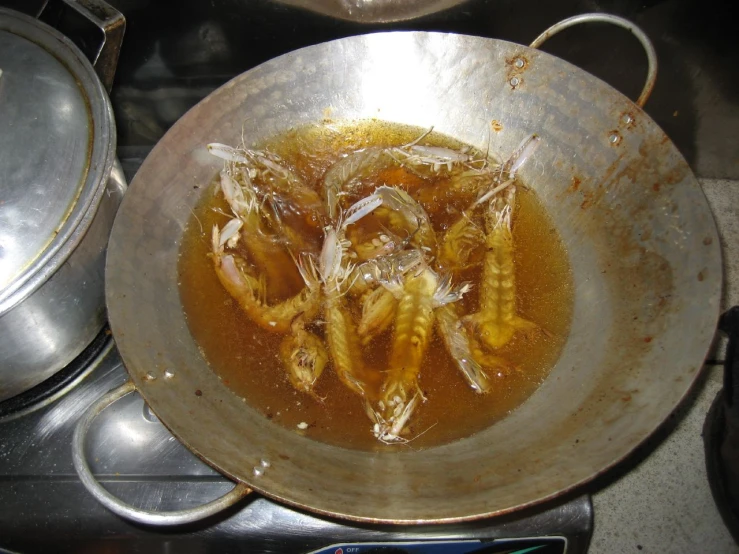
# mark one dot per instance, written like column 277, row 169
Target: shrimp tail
column 303, row 355
column 378, row 313
column 457, row 344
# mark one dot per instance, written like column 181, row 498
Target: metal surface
column 61, row 382
column 46, row 507
column 641, row 239
column 123, row 509
column 49, row 328
column 615, row 20
column 45, row 140
column 61, row 189
column 373, row 11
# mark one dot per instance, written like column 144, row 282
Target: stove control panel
column 537, row 545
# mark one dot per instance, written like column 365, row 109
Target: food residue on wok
column 381, row 282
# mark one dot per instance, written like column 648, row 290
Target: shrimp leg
column 249, row 291
column 459, row 243
column 346, row 174
column 378, row 310
column 474, row 364
column 379, row 305
column 344, row 344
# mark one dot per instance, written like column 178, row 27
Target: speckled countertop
column 659, row 500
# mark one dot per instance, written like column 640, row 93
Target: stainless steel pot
column 61, row 186
column 641, row 239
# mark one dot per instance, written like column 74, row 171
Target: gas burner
column 61, row 382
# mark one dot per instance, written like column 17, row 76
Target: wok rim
column 712, row 299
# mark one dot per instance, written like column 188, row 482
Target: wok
column 641, row 240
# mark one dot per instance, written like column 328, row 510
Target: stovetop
column 136, row 458
column 174, row 57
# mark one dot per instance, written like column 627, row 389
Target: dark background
column 175, row 53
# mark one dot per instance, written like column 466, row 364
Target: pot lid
column 56, row 149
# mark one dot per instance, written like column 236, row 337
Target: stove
column 137, row 459
column 170, row 60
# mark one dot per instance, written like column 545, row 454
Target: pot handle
column 116, row 505
column 104, row 56
column 621, row 22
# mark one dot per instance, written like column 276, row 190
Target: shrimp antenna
column 407, row 442
column 487, row 152
column 419, row 139
column 243, row 126
column 407, row 240
column 489, row 194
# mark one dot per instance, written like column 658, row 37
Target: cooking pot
column 641, row 241
column 61, row 186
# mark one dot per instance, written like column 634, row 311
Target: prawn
column 333, row 273
column 347, row 174
column 474, row 364
column 419, row 294
column 459, row 243
column 497, row 319
column 271, row 177
column 263, row 248
column 432, row 158
column 303, row 355
column 341, row 334
column 465, row 235
column 249, row 291
column 403, row 212
column 378, row 305
column 350, row 173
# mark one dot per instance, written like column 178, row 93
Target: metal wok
column 640, row 236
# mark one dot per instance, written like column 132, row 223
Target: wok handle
column 621, row 22
column 116, row 505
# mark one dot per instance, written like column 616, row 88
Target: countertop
column 659, row 499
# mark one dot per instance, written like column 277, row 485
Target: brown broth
column 246, row 357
